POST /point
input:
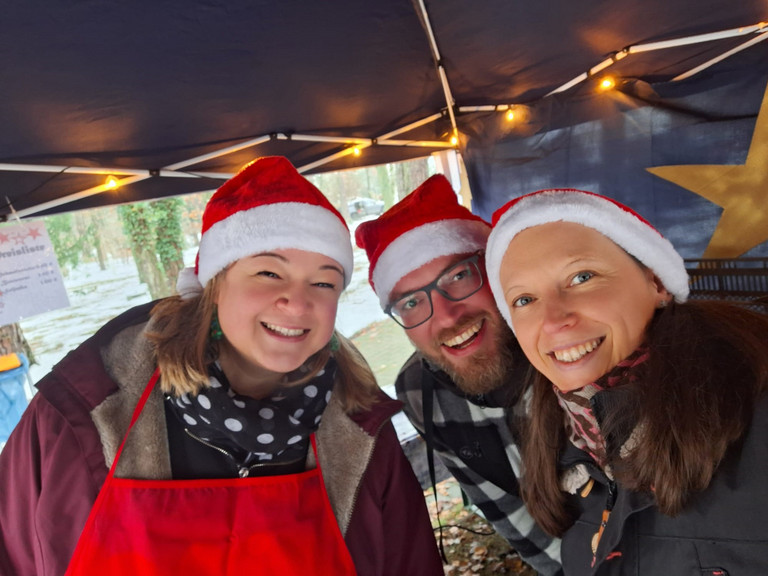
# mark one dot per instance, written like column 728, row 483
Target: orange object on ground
column 9, row 362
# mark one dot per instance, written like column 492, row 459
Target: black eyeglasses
column 456, row 283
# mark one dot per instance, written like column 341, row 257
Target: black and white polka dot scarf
column 272, row 428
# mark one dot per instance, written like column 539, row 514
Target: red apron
column 265, row 525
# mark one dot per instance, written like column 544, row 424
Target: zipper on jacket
column 604, row 519
column 243, row 471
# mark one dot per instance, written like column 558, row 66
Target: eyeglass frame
column 433, row 286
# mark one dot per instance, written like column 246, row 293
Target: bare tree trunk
column 97, row 218
column 415, row 173
column 384, row 187
column 12, row 340
column 400, row 182
column 169, row 240
column 149, row 271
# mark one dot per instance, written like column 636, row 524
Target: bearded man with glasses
column 463, row 388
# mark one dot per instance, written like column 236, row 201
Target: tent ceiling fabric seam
column 173, row 170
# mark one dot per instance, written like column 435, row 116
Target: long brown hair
column 183, row 348
column 708, row 364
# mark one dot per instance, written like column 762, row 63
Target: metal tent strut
column 450, row 102
column 353, row 144
column 674, row 43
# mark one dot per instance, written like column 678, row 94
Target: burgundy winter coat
column 57, row 459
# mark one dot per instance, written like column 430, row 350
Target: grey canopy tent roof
column 173, row 97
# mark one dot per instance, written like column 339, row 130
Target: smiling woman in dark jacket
column 225, row 431
column 646, row 448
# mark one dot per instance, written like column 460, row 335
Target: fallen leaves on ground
column 471, row 545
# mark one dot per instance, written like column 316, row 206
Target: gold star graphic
column 741, row 190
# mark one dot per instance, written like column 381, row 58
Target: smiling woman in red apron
column 227, row 430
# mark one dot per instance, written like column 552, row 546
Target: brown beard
column 482, row 372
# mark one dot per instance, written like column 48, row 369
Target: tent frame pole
column 665, row 44
column 132, row 176
column 716, row 59
column 440, row 68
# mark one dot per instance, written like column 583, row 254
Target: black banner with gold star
column 691, row 156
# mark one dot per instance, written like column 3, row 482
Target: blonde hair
column 180, row 334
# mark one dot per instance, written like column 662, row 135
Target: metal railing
column 739, row 280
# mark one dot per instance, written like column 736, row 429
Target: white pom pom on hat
column 425, row 225
column 619, row 223
column 266, row 206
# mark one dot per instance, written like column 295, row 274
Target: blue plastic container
column 13, row 398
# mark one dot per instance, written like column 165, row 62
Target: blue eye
column 267, row 273
column 460, row 275
column 457, row 275
column 522, row 301
column 582, row 277
column 410, row 303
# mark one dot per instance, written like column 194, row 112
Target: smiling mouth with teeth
column 569, row 355
column 465, row 338
column 291, row 332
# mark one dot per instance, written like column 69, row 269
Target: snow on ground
column 96, row 296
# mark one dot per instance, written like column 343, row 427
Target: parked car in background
column 360, row 207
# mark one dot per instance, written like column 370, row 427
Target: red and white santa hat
column 426, row 224
column 619, row 223
column 266, row 206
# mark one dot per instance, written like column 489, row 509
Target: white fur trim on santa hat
column 187, row 284
column 278, row 226
column 629, row 232
column 423, row 244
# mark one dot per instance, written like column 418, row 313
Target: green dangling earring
column 335, row 345
column 215, row 332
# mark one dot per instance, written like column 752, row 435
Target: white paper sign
column 30, row 278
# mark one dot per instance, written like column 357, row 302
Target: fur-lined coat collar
column 345, row 446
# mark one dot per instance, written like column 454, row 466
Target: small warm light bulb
column 112, row 182
column 454, row 140
column 356, row 151
column 510, row 115
column 607, row 83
